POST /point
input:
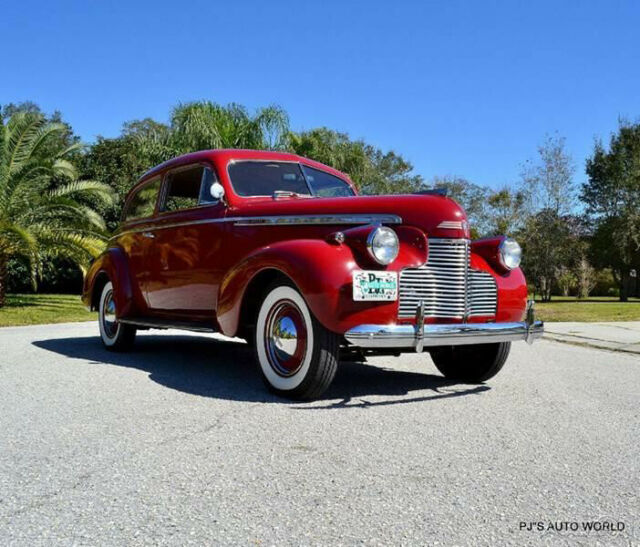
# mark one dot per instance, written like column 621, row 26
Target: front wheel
column 115, row 336
column 298, row 357
column 473, row 364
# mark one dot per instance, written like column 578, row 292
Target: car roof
column 230, row 154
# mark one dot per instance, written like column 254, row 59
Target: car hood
column 437, row 216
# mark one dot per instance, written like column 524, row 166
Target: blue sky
column 465, row 88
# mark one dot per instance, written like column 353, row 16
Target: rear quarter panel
column 113, row 264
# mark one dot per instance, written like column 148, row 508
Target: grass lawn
column 589, row 310
column 34, row 309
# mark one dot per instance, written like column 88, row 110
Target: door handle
column 150, row 235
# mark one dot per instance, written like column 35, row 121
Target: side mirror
column 217, row 191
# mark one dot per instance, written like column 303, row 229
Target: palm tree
column 204, row 125
column 45, row 211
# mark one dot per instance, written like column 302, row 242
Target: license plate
column 371, row 285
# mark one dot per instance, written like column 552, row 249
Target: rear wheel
column 298, row 357
column 115, row 336
column 473, row 364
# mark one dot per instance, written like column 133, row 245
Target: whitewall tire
column 298, row 357
column 115, row 336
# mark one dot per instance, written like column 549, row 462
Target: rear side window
column 143, row 202
column 188, row 188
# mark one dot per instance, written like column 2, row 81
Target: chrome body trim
column 278, row 220
column 451, row 225
column 302, row 220
column 404, row 336
column 467, row 259
column 418, row 329
column 447, row 284
column 410, row 336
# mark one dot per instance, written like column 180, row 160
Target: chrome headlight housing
column 510, row 253
column 383, row 245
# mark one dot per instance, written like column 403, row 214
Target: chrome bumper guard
column 421, row 335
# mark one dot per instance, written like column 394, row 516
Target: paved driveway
column 179, row 443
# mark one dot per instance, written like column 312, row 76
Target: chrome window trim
column 278, row 220
column 166, row 182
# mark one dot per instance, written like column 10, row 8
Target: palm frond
column 85, row 188
column 17, row 239
column 64, row 168
column 75, row 147
column 40, row 136
column 72, row 243
column 61, row 212
column 21, row 129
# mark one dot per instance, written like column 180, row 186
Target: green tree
column 612, row 198
column 472, row 197
column 506, row 211
column 118, row 163
column 204, row 125
column 372, row 170
column 547, row 233
column 45, row 211
column 548, row 180
column 549, row 248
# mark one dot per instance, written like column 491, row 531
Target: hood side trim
column 278, row 220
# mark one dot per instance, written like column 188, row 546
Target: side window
column 143, row 203
column 189, row 188
column 326, row 185
column 208, row 178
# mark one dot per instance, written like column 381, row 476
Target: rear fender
column 111, row 264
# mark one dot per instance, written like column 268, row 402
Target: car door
column 135, row 237
column 183, row 263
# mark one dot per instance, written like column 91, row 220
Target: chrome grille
column 449, row 289
column 483, row 293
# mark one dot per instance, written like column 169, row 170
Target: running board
column 153, row 323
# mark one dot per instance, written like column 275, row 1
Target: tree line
column 59, row 199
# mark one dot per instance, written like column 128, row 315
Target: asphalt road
column 178, row 442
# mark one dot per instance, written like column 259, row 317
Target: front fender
column 512, row 289
column 113, row 264
column 322, row 271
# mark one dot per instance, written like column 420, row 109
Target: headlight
column 510, row 253
column 383, row 245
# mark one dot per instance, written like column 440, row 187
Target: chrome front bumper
column 409, row 336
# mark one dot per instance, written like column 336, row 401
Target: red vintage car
column 280, row 250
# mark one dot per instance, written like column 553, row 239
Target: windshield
column 261, row 178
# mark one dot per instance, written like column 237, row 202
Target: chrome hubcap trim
column 285, row 338
column 109, row 320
